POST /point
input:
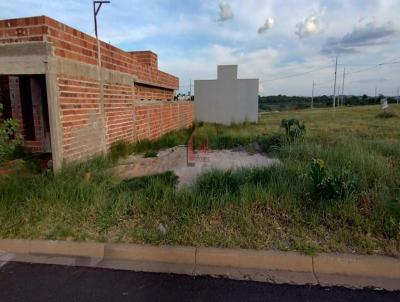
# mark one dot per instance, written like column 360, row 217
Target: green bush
column 295, row 130
column 9, row 139
column 327, row 186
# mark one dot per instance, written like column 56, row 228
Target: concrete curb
column 267, row 266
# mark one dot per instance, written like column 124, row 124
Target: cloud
column 367, row 34
column 269, row 23
column 225, row 12
column 311, row 25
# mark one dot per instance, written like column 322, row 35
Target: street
column 38, row 282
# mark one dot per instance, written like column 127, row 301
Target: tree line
column 283, row 102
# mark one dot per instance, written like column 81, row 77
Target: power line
column 295, row 75
column 373, row 67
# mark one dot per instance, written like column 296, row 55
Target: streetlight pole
column 96, row 8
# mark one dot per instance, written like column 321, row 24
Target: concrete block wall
column 227, row 99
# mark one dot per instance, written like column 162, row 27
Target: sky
column 285, row 43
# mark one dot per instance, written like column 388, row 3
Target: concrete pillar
column 56, row 134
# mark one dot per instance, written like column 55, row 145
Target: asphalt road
column 38, row 282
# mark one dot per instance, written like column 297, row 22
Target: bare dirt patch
column 175, row 159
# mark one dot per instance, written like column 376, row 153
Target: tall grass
column 249, row 208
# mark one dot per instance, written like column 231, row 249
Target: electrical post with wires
column 96, row 8
column 334, row 85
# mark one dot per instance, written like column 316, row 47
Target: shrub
column 294, row 130
column 329, row 186
column 9, row 139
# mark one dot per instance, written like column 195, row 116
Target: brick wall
column 75, row 45
column 81, row 117
column 145, row 57
column 154, row 119
column 94, row 117
column 119, row 110
column 145, row 92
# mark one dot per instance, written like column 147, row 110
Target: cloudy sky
column 285, row 43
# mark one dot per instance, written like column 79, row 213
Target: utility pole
column 96, row 8
column 376, row 92
column 312, row 95
column 344, row 73
column 190, row 91
column 334, row 86
column 398, row 95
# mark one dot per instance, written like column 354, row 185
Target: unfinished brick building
column 51, row 82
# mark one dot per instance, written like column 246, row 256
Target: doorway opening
column 24, row 99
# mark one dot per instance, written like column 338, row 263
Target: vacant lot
column 348, row 200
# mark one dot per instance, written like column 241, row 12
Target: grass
column 254, row 208
column 168, row 140
column 386, row 114
column 151, row 153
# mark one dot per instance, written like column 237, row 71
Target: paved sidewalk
column 39, row 282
